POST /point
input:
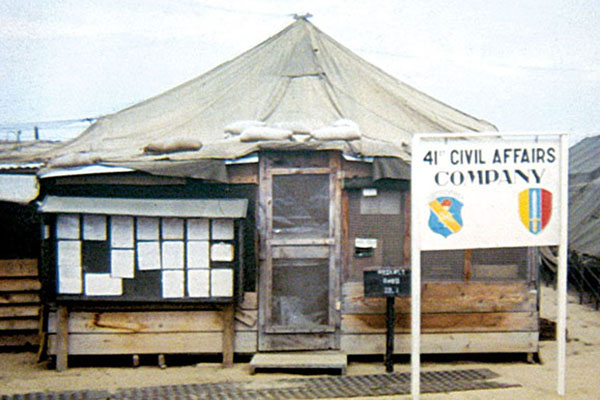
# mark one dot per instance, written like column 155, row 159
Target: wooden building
column 238, row 212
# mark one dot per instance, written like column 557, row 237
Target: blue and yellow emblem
column 445, row 218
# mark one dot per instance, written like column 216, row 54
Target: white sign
column 487, row 192
column 478, row 190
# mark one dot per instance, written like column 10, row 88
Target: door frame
column 280, row 338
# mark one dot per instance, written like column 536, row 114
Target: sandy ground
column 20, row 373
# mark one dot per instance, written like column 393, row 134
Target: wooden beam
column 467, row 272
column 157, row 343
column 442, row 297
column 152, row 321
column 19, row 311
column 19, row 285
column 228, row 335
column 445, row 343
column 22, row 298
column 26, row 267
column 62, row 338
column 446, row 323
column 19, row 325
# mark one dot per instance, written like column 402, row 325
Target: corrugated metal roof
column 201, row 208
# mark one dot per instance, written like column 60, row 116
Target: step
column 317, row 360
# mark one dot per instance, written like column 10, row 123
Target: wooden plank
column 450, row 322
column 353, row 169
column 23, row 298
column 298, row 341
column 121, row 179
column 62, row 338
column 19, row 311
column 19, row 340
column 301, row 252
column 442, row 297
column 243, row 173
column 445, row 343
column 149, row 322
column 19, row 324
column 250, row 301
column 19, row 285
column 228, row 335
column 155, row 343
column 19, row 267
column 299, row 360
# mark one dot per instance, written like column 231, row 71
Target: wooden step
column 317, row 360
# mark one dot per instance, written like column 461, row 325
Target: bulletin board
column 147, row 257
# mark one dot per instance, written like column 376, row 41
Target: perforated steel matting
column 299, row 388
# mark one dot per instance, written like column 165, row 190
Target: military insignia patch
column 535, row 209
column 445, row 217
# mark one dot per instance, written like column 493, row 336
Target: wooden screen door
column 299, row 273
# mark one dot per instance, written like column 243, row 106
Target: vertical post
column 561, row 279
column 467, row 273
column 36, row 133
column 228, row 334
column 62, row 338
column 415, row 281
column 389, row 334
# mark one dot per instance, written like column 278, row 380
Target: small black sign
column 387, row 282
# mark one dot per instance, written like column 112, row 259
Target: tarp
column 584, row 197
column 294, row 85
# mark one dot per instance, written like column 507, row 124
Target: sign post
column 389, row 283
column 486, row 190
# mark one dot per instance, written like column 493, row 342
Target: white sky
column 522, row 64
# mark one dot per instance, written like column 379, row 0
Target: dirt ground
column 20, row 373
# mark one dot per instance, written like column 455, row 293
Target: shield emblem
column 535, row 209
column 445, row 218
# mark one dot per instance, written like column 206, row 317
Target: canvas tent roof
column 584, row 196
column 298, row 81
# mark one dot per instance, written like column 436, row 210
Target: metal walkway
column 300, row 388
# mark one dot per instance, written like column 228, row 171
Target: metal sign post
column 468, row 190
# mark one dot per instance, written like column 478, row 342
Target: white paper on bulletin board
column 172, row 255
column 222, row 229
column 67, row 226
column 172, row 228
column 102, row 285
column 121, row 232
column 197, row 254
column 221, row 252
column 147, row 228
column 197, row 229
column 172, row 284
column 198, row 282
column 69, row 267
column 221, row 283
column 148, row 255
column 122, row 263
column 94, row 227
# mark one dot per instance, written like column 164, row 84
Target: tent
column 299, row 89
column 584, row 193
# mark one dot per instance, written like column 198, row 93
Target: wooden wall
column 19, row 303
column 156, row 332
column 457, row 317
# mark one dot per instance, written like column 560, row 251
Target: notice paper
column 121, row 232
column 222, row 229
column 221, row 252
column 172, row 255
column 197, row 229
column 221, row 283
column 148, row 255
column 67, row 226
column 69, row 267
column 122, row 263
column 103, row 285
column 94, row 227
column 147, row 228
column 198, row 283
column 197, row 254
column 172, row 284
column 172, row 228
